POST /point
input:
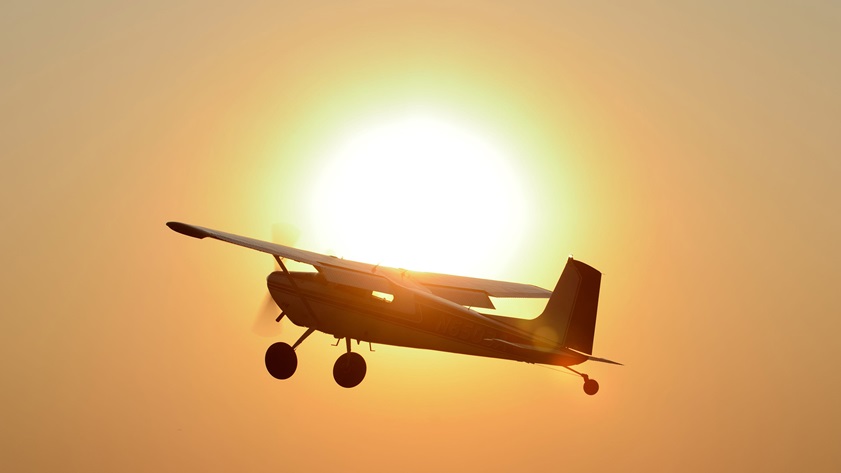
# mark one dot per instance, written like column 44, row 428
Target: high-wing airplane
column 377, row 304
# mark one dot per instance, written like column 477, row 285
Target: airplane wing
column 472, row 292
column 337, row 270
column 435, row 281
column 302, row 256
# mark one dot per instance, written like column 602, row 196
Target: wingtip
column 189, row 230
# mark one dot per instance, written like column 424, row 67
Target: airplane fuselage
column 411, row 318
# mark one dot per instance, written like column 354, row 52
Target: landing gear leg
column 303, row 337
column 349, row 370
column 591, row 386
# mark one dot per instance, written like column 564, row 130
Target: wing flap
column 356, row 279
column 464, row 297
column 490, row 287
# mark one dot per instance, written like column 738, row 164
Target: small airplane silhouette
column 378, row 304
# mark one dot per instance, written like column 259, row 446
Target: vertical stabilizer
column 571, row 310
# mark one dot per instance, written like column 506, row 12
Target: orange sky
column 691, row 153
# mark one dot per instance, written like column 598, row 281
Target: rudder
column 571, row 310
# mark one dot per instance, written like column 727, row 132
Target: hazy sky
column 689, row 150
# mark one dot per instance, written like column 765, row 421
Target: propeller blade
column 265, row 324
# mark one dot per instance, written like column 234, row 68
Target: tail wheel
column 591, row 386
column 281, row 360
column 349, row 370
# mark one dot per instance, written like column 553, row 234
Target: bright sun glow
column 420, row 192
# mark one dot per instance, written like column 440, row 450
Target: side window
column 383, row 296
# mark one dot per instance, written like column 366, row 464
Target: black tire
column 591, row 387
column 281, row 360
column 349, row 370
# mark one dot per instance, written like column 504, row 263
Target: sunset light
column 164, row 162
column 421, row 191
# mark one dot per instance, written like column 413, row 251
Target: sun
column 423, row 192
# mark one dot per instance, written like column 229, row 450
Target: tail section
column 571, row 310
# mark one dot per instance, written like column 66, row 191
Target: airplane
column 377, row 304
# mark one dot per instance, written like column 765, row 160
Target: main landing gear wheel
column 281, row 360
column 591, row 386
column 349, row 370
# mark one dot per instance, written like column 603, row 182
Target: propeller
column 266, row 323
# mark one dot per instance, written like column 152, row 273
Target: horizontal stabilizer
column 595, row 358
column 603, row 360
column 567, row 352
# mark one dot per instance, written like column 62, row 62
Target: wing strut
column 294, row 285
